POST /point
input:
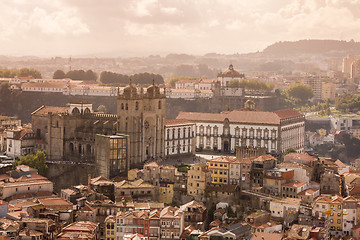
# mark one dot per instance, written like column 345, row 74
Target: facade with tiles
column 274, row 131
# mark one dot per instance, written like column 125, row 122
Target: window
column 137, row 106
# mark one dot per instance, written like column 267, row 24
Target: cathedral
column 115, row 142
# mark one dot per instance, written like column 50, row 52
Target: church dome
column 230, row 72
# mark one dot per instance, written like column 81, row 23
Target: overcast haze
column 143, row 27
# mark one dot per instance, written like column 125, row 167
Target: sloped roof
column 177, row 122
column 44, row 110
column 236, row 116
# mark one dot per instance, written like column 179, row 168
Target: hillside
column 334, row 48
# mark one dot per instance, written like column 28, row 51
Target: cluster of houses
column 297, row 197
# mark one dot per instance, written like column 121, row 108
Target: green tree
column 59, row 74
column 300, row 92
column 289, row 150
column 348, row 102
column 233, row 83
column 26, row 72
column 37, row 161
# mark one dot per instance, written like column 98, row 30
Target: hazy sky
column 143, row 27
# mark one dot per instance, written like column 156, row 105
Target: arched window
column 122, row 106
column 137, row 106
column 159, row 104
column 71, row 146
column 87, row 110
column 75, row 111
column 126, row 107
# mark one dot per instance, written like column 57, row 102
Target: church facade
column 70, row 133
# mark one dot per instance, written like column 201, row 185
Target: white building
column 275, row 131
column 23, row 180
column 349, row 214
column 230, row 74
column 344, row 123
column 279, row 208
column 20, row 142
column 179, row 137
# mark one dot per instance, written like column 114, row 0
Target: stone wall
column 64, row 175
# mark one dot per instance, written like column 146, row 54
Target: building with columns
column 248, row 127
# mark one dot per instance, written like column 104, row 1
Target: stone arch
column 87, row 110
column 75, row 111
column 71, row 147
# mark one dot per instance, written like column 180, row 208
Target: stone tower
column 142, row 117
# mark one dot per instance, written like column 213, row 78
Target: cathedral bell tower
column 142, row 117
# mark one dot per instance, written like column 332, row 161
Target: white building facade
column 274, row 131
column 180, row 137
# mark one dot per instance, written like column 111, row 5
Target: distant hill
column 333, row 48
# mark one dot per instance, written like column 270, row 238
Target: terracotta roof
column 349, row 199
column 309, row 191
column 75, row 236
column 230, row 72
column 81, row 226
column 263, row 236
column 264, row 158
column 323, row 199
column 236, row 116
column 340, row 164
column 170, row 212
column 54, row 84
column 294, row 184
column 23, row 132
column 221, row 159
column 215, row 223
column 44, row 110
column 288, row 113
column 300, row 156
column 193, row 204
column 56, row 201
column 241, row 160
column 178, row 122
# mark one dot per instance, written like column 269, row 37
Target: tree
column 26, row 72
column 348, row 102
column 37, row 161
column 81, row 75
column 300, row 92
column 289, row 150
column 233, row 83
column 59, row 74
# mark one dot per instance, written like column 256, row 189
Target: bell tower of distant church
column 142, row 117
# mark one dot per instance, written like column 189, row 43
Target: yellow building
column 133, row 174
column 336, row 216
column 166, row 192
column 110, row 227
column 219, row 169
column 328, row 91
column 198, row 176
